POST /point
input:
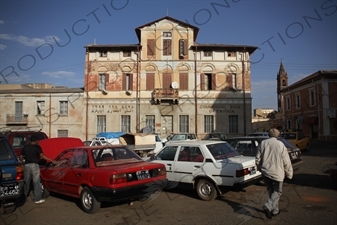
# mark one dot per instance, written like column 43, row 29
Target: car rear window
column 222, row 150
column 289, row 136
column 107, row 156
column 5, row 150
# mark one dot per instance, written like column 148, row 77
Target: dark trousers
column 274, row 189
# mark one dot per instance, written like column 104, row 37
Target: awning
column 311, row 120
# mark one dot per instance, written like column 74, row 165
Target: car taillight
column 241, row 173
column 117, row 178
column 159, row 172
column 19, row 172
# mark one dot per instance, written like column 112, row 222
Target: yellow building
column 168, row 82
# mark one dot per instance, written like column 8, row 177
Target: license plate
column 252, row 171
column 144, row 174
column 9, row 190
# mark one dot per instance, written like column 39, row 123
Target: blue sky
column 34, row 39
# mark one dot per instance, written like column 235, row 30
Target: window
column 167, row 46
column 208, row 123
column 150, row 121
column 40, row 107
column 149, row 81
column 288, row 102
column 126, row 123
column 233, row 125
column 62, row 133
column 167, row 34
column 207, row 53
column 183, row 124
column 103, row 53
column 231, row 54
column 18, row 111
column 182, row 48
column 127, row 81
column 233, row 75
column 288, row 124
column 183, row 81
column 102, row 81
column 127, row 54
column 64, row 107
column 101, row 123
column 168, row 153
column 298, row 101
column 312, row 99
column 151, row 47
column 208, row 81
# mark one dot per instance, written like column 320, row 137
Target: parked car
column 11, row 177
column 207, row 165
column 18, row 139
column 180, row 137
column 215, row 136
column 247, row 146
column 96, row 174
column 298, row 139
column 258, row 134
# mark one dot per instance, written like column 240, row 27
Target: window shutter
column 202, row 81
column 229, row 80
column 131, row 81
column 186, row 48
column 213, row 81
column 150, row 81
column 124, row 81
column 150, row 47
column 183, row 81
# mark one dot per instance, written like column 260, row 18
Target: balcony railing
column 15, row 119
column 170, row 95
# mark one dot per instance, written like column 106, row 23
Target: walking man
column 32, row 153
column 272, row 159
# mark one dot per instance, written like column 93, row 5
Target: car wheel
column 206, row 190
column 44, row 190
column 89, row 202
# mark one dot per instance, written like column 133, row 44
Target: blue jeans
column 274, row 189
column 32, row 171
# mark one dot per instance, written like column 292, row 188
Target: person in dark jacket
column 31, row 154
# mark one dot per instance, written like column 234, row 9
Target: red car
column 96, row 174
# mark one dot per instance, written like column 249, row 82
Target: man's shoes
column 275, row 214
column 40, row 201
column 267, row 212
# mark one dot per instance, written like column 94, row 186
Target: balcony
column 160, row 95
column 12, row 119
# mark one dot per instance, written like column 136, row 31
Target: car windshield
column 107, row 156
column 222, row 150
column 289, row 135
column 178, row 137
column 5, row 149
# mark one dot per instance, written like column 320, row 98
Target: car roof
column 193, row 142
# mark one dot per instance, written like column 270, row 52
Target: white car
column 208, row 165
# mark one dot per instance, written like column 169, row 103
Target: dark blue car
column 11, row 177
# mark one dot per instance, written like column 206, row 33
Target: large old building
column 168, row 82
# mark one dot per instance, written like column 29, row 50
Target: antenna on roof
column 94, row 41
column 166, row 12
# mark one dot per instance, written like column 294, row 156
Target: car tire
column 45, row 192
column 206, row 190
column 88, row 201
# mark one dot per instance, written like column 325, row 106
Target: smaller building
column 310, row 105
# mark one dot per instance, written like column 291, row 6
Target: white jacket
column 272, row 159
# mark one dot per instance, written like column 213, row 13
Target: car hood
column 52, row 147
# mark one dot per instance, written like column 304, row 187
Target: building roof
column 181, row 23
column 212, row 46
column 115, row 46
column 42, row 91
column 330, row 74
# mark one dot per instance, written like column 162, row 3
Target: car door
column 166, row 156
column 78, row 170
column 188, row 164
column 53, row 175
column 301, row 141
